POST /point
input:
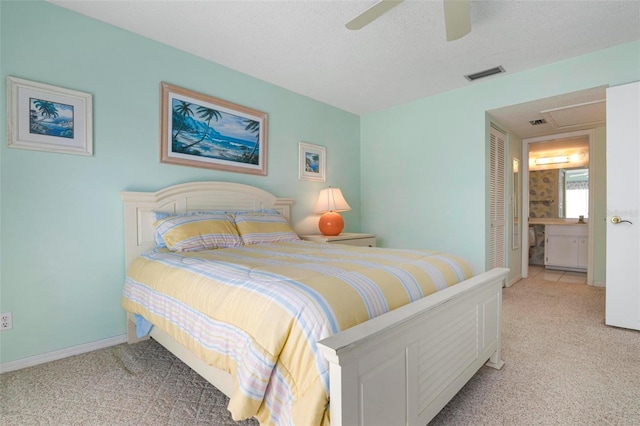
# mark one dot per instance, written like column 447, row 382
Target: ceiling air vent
column 538, row 122
column 485, row 73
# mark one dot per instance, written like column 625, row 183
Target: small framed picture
column 202, row 131
column 312, row 162
column 42, row 117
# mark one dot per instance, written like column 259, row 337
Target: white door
column 497, row 238
column 623, row 206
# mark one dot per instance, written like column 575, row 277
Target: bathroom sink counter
column 554, row 221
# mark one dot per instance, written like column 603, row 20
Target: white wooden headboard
column 188, row 197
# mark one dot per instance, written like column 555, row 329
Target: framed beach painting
column 312, row 162
column 202, row 131
column 42, row 117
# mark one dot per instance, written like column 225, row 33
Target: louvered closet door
column 496, row 199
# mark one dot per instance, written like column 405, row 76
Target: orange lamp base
column 331, row 224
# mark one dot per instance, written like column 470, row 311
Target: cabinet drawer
column 568, row 230
column 348, row 238
column 362, row 242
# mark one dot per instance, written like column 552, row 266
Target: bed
column 401, row 367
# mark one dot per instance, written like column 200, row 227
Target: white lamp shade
column 331, row 200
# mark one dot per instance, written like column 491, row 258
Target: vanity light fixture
column 577, row 158
column 553, row 160
column 330, row 202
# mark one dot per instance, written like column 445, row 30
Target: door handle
column 616, row 220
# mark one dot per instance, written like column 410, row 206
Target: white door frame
column 524, row 231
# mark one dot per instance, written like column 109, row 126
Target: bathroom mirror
column 559, row 193
column 516, row 204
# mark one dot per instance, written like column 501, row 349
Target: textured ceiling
column 304, row 46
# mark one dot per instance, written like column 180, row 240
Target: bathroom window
column 576, row 194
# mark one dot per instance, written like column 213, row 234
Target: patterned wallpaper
column 543, row 193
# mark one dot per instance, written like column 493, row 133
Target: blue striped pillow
column 157, row 238
column 198, row 231
column 264, row 227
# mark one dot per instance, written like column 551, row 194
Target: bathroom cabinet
column 566, row 247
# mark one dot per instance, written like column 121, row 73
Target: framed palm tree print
column 42, row 117
column 312, row 159
column 202, row 131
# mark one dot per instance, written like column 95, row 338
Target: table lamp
column 330, row 202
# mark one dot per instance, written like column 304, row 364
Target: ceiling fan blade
column 371, row 14
column 457, row 18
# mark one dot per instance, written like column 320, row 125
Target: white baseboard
column 62, row 353
column 513, row 280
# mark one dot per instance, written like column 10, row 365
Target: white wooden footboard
column 403, row 367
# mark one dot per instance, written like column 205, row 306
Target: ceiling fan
column 457, row 17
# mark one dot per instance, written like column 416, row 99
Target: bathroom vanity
column 566, row 247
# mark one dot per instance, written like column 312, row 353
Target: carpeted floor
column 563, row 367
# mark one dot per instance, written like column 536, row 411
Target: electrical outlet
column 6, row 321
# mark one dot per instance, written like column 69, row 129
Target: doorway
column 584, row 110
column 561, row 152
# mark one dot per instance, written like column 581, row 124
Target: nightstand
column 349, row 238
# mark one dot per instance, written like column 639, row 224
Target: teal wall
column 61, row 215
column 423, row 167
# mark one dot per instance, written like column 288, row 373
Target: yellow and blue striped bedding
column 258, row 311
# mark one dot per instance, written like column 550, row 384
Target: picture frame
column 312, row 162
column 198, row 130
column 42, row 117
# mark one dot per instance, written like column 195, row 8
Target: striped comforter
column 258, row 311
